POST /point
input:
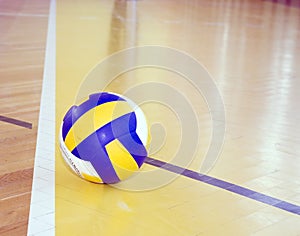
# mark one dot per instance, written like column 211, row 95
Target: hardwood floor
column 251, row 49
column 23, row 27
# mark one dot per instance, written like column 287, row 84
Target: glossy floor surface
column 251, row 50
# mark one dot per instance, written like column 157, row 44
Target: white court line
column 42, row 206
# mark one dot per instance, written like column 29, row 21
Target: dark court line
column 16, row 122
column 260, row 197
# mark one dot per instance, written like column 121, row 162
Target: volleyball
column 104, row 139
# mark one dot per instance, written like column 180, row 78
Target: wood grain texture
column 251, row 49
column 23, row 27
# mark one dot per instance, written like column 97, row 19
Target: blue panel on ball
column 93, row 151
column 75, row 112
column 123, row 125
column 92, row 148
column 86, row 149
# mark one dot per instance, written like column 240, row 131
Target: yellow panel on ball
column 122, row 161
